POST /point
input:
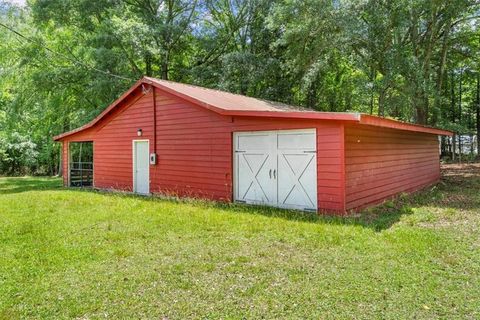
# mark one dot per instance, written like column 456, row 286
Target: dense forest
column 63, row 61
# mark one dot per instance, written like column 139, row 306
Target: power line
column 63, row 55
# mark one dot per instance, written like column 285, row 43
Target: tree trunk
column 460, row 92
column 52, row 168
column 372, row 98
column 460, row 148
column 311, row 95
column 454, row 147
column 452, row 98
column 421, row 106
column 372, row 90
column 472, row 151
column 165, row 70
column 421, row 115
column 441, row 68
column 443, row 147
column 381, row 103
column 478, row 114
column 148, row 65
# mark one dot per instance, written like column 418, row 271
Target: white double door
column 276, row 168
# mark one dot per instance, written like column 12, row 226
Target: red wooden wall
column 358, row 165
column 382, row 162
column 194, row 148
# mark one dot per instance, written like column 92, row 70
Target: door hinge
column 309, row 151
column 239, row 151
column 241, row 201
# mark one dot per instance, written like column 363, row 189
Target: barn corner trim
column 252, row 107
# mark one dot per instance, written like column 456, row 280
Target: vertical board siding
column 194, row 148
column 381, row 163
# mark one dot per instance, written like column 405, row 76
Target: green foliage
column 17, row 154
column 413, row 60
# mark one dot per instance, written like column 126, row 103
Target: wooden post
column 443, row 149
column 60, row 163
column 454, row 147
column 478, row 114
column 460, row 148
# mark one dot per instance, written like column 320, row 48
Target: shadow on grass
column 459, row 189
column 12, row 185
column 368, row 219
column 15, row 185
column 378, row 218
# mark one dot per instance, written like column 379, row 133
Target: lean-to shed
column 177, row 139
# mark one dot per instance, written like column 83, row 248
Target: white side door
column 254, row 165
column 297, row 169
column 141, row 167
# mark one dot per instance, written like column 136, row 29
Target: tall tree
column 63, row 61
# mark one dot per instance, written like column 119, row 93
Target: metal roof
column 226, row 103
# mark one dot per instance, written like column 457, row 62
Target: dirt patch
column 461, row 172
column 461, row 185
column 453, row 202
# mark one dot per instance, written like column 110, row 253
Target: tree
column 63, row 61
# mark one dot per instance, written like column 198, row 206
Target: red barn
column 177, row 139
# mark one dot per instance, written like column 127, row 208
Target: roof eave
column 69, row 133
column 103, row 113
column 311, row 115
column 399, row 125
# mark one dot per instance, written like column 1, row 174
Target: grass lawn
column 84, row 254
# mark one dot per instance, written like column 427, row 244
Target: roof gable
column 230, row 104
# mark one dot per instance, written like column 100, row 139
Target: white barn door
column 141, row 167
column 255, row 159
column 297, row 169
column 277, row 168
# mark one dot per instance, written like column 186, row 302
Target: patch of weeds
column 8, row 314
column 122, row 253
column 420, row 215
column 389, row 204
column 449, row 213
column 26, row 228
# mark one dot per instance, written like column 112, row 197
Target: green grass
column 85, row 254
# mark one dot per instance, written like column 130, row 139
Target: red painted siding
column 65, row 163
column 381, row 163
column 194, row 148
column 357, row 165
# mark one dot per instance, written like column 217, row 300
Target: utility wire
column 64, row 56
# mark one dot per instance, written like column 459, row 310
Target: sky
column 18, row 2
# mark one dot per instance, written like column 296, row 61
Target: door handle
column 274, row 173
column 270, row 173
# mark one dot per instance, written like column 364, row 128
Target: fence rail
column 81, row 174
